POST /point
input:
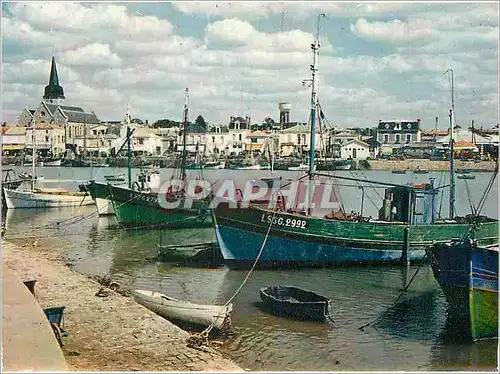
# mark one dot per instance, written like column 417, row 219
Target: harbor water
column 417, row 333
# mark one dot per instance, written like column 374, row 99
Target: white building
column 13, row 140
column 355, row 150
column 297, row 139
column 48, row 139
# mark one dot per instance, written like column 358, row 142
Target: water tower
column 284, row 109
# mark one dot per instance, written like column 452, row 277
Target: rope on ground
column 198, row 339
column 379, row 318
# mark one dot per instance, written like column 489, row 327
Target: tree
column 138, row 121
column 165, row 123
column 200, row 122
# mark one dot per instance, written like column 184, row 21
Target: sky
column 380, row 60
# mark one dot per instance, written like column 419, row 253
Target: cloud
column 376, row 59
column 237, row 34
column 94, row 54
column 394, row 31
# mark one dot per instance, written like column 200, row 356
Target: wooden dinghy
column 173, row 309
column 295, row 302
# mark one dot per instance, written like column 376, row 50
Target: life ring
column 386, row 125
column 408, row 125
column 136, row 186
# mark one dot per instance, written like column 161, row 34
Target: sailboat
column 281, row 236
column 28, row 195
column 137, row 206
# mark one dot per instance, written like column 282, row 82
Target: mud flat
column 111, row 333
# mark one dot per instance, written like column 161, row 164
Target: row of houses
column 56, row 128
column 237, row 137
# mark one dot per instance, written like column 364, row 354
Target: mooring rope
column 379, row 318
column 199, row 338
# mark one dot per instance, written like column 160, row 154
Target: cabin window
column 386, row 138
column 408, row 138
column 239, row 137
column 141, row 141
column 42, row 113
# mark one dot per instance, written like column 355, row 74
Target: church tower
column 54, row 93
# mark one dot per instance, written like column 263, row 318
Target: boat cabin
column 413, row 205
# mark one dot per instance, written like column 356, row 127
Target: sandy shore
column 111, row 333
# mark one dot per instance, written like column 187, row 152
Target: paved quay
column 111, row 333
column 28, row 343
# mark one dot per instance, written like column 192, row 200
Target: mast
column 314, row 100
column 129, row 156
column 184, row 136
column 33, row 163
column 452, row 169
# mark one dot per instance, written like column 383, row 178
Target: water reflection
column 416, row 334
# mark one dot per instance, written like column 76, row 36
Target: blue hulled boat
column 468, row 276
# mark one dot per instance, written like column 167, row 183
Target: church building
column 52, row 111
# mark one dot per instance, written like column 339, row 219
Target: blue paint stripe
column 244, row 246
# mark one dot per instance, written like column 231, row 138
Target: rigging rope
column 198, row 338
column 379, row 318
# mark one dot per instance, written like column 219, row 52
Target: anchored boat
column 468, row 276
column 294, row 302
column 172, row 309
column 407, row 222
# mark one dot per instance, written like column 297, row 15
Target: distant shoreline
column 413, row 164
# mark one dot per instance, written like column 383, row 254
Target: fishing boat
column 178, row 310
column 249, row 167
column 147, row 180
column 44, row 198
column 52, row 162
column 402, row 171
column 466, row 176
column 195, row 254
column 294, row 302
column 468, row 276
column 301, row 167
column 407, row 223
column 115, row 178
column 327, row 164
column 419, row 170
column 29, row 196
column 10, row 181
column 215, row 165
column 138, row 208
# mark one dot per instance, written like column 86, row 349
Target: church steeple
column 53, row 91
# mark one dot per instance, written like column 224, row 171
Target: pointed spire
column 53, row 90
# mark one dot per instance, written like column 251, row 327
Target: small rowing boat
column 295, row 302
column 173, row 309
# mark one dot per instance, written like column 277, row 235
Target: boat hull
column 135, row 209
column 301, row 241
column 15, row 199
column 52, row 163
column 468, row 276
column 295, row 303
column 101, row 195
column 172, row 309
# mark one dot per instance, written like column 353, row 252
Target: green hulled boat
column 144, row 206
column 139, row 209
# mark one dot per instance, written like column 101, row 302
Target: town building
column 49, row 139
column 13, row 140
column 398, row 132
column 355, row 150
